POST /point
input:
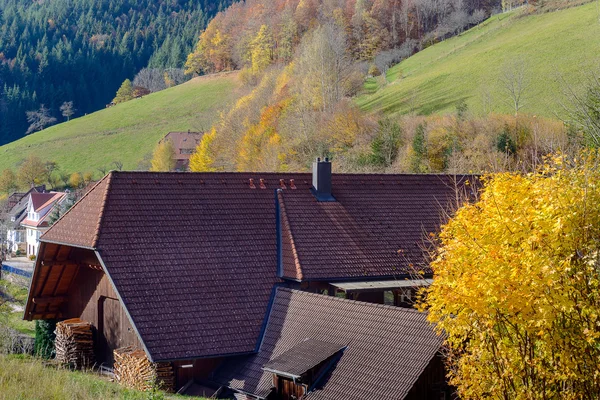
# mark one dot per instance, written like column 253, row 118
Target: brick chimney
column 321, row 180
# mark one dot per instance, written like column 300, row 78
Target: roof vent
column 321, row 180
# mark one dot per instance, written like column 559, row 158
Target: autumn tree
column 67, row 110
column 8, row 181
column 39, row 119
column 324, row 68
column 76, row 180
column 386, row 144
column 163, row 158
column 584, row 109
column 419, row 151
column 213, row 51
column 261, row 49
column 31, row 172
column 515, row 82
column 125, row 92
column 516, row 287
column 203, row 158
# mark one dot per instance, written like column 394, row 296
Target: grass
column 552, row 45
column 23, row 377
column 10, row 318
column 126, row 132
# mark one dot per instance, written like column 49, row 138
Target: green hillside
column 551, row 45
column 128, row 131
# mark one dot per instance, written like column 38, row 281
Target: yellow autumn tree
column 163, row 158
column 203, row 158
column 260, row 148
column 261, row 49
column 516, row 285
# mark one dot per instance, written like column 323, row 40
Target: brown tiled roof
column 387, row 347
column 301, row 358
column 194, row 256
column 41, row 200
column 183, row 140
column 376, row 227
column 80, row 225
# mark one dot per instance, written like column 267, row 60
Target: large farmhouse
column 260, row 285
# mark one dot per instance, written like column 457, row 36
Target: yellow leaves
column 203, row 159
column 517, row 289
column 163, row 158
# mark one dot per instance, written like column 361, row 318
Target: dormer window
column 299, row 370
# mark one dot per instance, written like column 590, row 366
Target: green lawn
column 556, row 44
column 127, row 131
column 8, row 316
column 27, row 378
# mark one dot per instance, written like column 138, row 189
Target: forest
column 303, row 62
column 75, row 54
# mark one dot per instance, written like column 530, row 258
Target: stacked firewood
column 134, row 370
column 74, row 343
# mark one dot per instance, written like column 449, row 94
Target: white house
column 39, row 209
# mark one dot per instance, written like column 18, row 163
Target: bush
column 373, row 70
column 44, row 338
column 18, row 253
column 32, row 257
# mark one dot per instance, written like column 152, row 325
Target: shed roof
column 386, row 348
column 381, row 285
column 301, row 358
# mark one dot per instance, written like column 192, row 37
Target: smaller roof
column 41, row 201
column 301, row 358
column 381, row 285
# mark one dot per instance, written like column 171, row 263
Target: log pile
column 74, row 343
column 134, row 370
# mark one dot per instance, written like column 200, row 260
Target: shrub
column 32, row 257
column 44, row 338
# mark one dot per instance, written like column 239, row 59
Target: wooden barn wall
column 201, row 370
column 92, row 298
column 432, row 384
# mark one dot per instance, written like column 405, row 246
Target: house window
column 388, row 298
column 186, row 151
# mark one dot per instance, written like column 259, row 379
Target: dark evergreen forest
column 81, row 50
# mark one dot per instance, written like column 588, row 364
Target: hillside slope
column 551, row 45
column 128, row 131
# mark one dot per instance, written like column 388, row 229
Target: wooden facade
column 432, row 384
column 69, row 282
column 93, row 299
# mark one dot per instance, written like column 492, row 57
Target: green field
column 552, row 46
column 23, row 377
column 128, row 131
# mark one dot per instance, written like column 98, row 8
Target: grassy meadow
column 23, row 377
column 126, row 132
column 552, row 46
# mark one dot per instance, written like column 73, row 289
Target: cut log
column 134, row 370
column 74, row 343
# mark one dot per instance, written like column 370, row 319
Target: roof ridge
column 74, row 205
column 100, row 217
column 334, row 298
